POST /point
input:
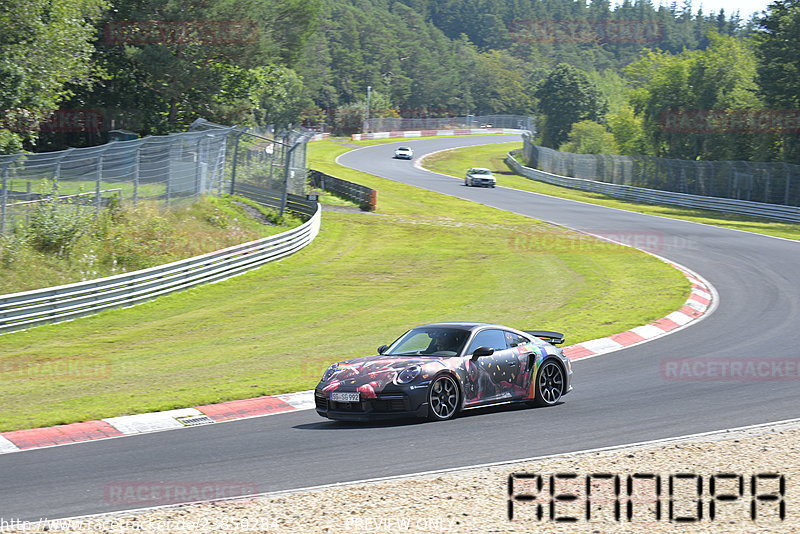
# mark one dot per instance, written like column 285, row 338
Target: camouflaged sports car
column 437, row 370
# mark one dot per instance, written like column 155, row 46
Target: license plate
column 340, row 396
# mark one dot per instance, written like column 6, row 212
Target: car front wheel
column 466, row 182
column 443, row 397
column 550, row 384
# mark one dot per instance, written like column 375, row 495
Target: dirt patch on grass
column 254, row 213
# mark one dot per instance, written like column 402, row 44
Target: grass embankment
column 124, row 190
column 63, row 244
column 455, row 162
column 368, row 277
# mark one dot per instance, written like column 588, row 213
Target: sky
column 745, row 7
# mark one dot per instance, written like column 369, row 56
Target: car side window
column 494, row 339
column 515, row 340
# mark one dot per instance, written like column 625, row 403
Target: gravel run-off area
column 476, row 500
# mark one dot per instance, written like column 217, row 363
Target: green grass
column 368, row 277
column 125, row 239
column 72, row 187
column 455, row 162
column 333, row 200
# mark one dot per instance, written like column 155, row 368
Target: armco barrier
column 365, row 197
column 23, row 310
column 274, row 199
column 653, row 196
column 438, row 133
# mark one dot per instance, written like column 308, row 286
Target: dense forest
column 633, row 78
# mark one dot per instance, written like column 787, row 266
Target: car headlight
column 407, row 375
column 329, row 372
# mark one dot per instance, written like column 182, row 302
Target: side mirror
column 382, row 349
column 482, row 351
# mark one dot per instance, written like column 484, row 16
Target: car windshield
column 481, row 171
column 430, row 341
column 404, row 149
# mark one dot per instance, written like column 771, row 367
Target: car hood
column 485, row 176
column 370, row 374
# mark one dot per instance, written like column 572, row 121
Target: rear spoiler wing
column 554, row 338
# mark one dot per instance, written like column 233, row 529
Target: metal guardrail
column 654, row 196
column 274, row 199
column 365, row 197
column 54, row 304
column 766, row 182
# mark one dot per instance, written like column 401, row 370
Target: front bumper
column 385, row 406
column 482, row 183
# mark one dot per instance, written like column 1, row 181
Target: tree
column 498, row 86
column 724, row 80
column 628, row 131
column 660, row 89
column 171, row 61
column 261, row 95
column 686, row 100
column 567, row 96
column 349, row 119
column 589, row 137
column 778, row 50
column 44, row 46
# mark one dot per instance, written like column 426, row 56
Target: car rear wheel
column 443, row 397
column 550, row 384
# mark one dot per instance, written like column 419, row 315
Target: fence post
column 57, row 176
column 197, row 167
column 136, row 164
column 235, row 160
column 5, row 198
column 287, row 160
column 97, row 194
column 219, row 166
column 282, row 148
column 788, row 177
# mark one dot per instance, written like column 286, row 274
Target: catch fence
column 166, row 169
column 391, row 124
column 751, row 181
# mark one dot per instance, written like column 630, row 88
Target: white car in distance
column 404, row 152
column 478, row 176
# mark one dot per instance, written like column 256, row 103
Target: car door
column 525, row 353
column 489, row 377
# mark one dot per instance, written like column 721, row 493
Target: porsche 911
column 437, row 370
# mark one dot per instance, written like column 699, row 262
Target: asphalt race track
column 618, row 398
